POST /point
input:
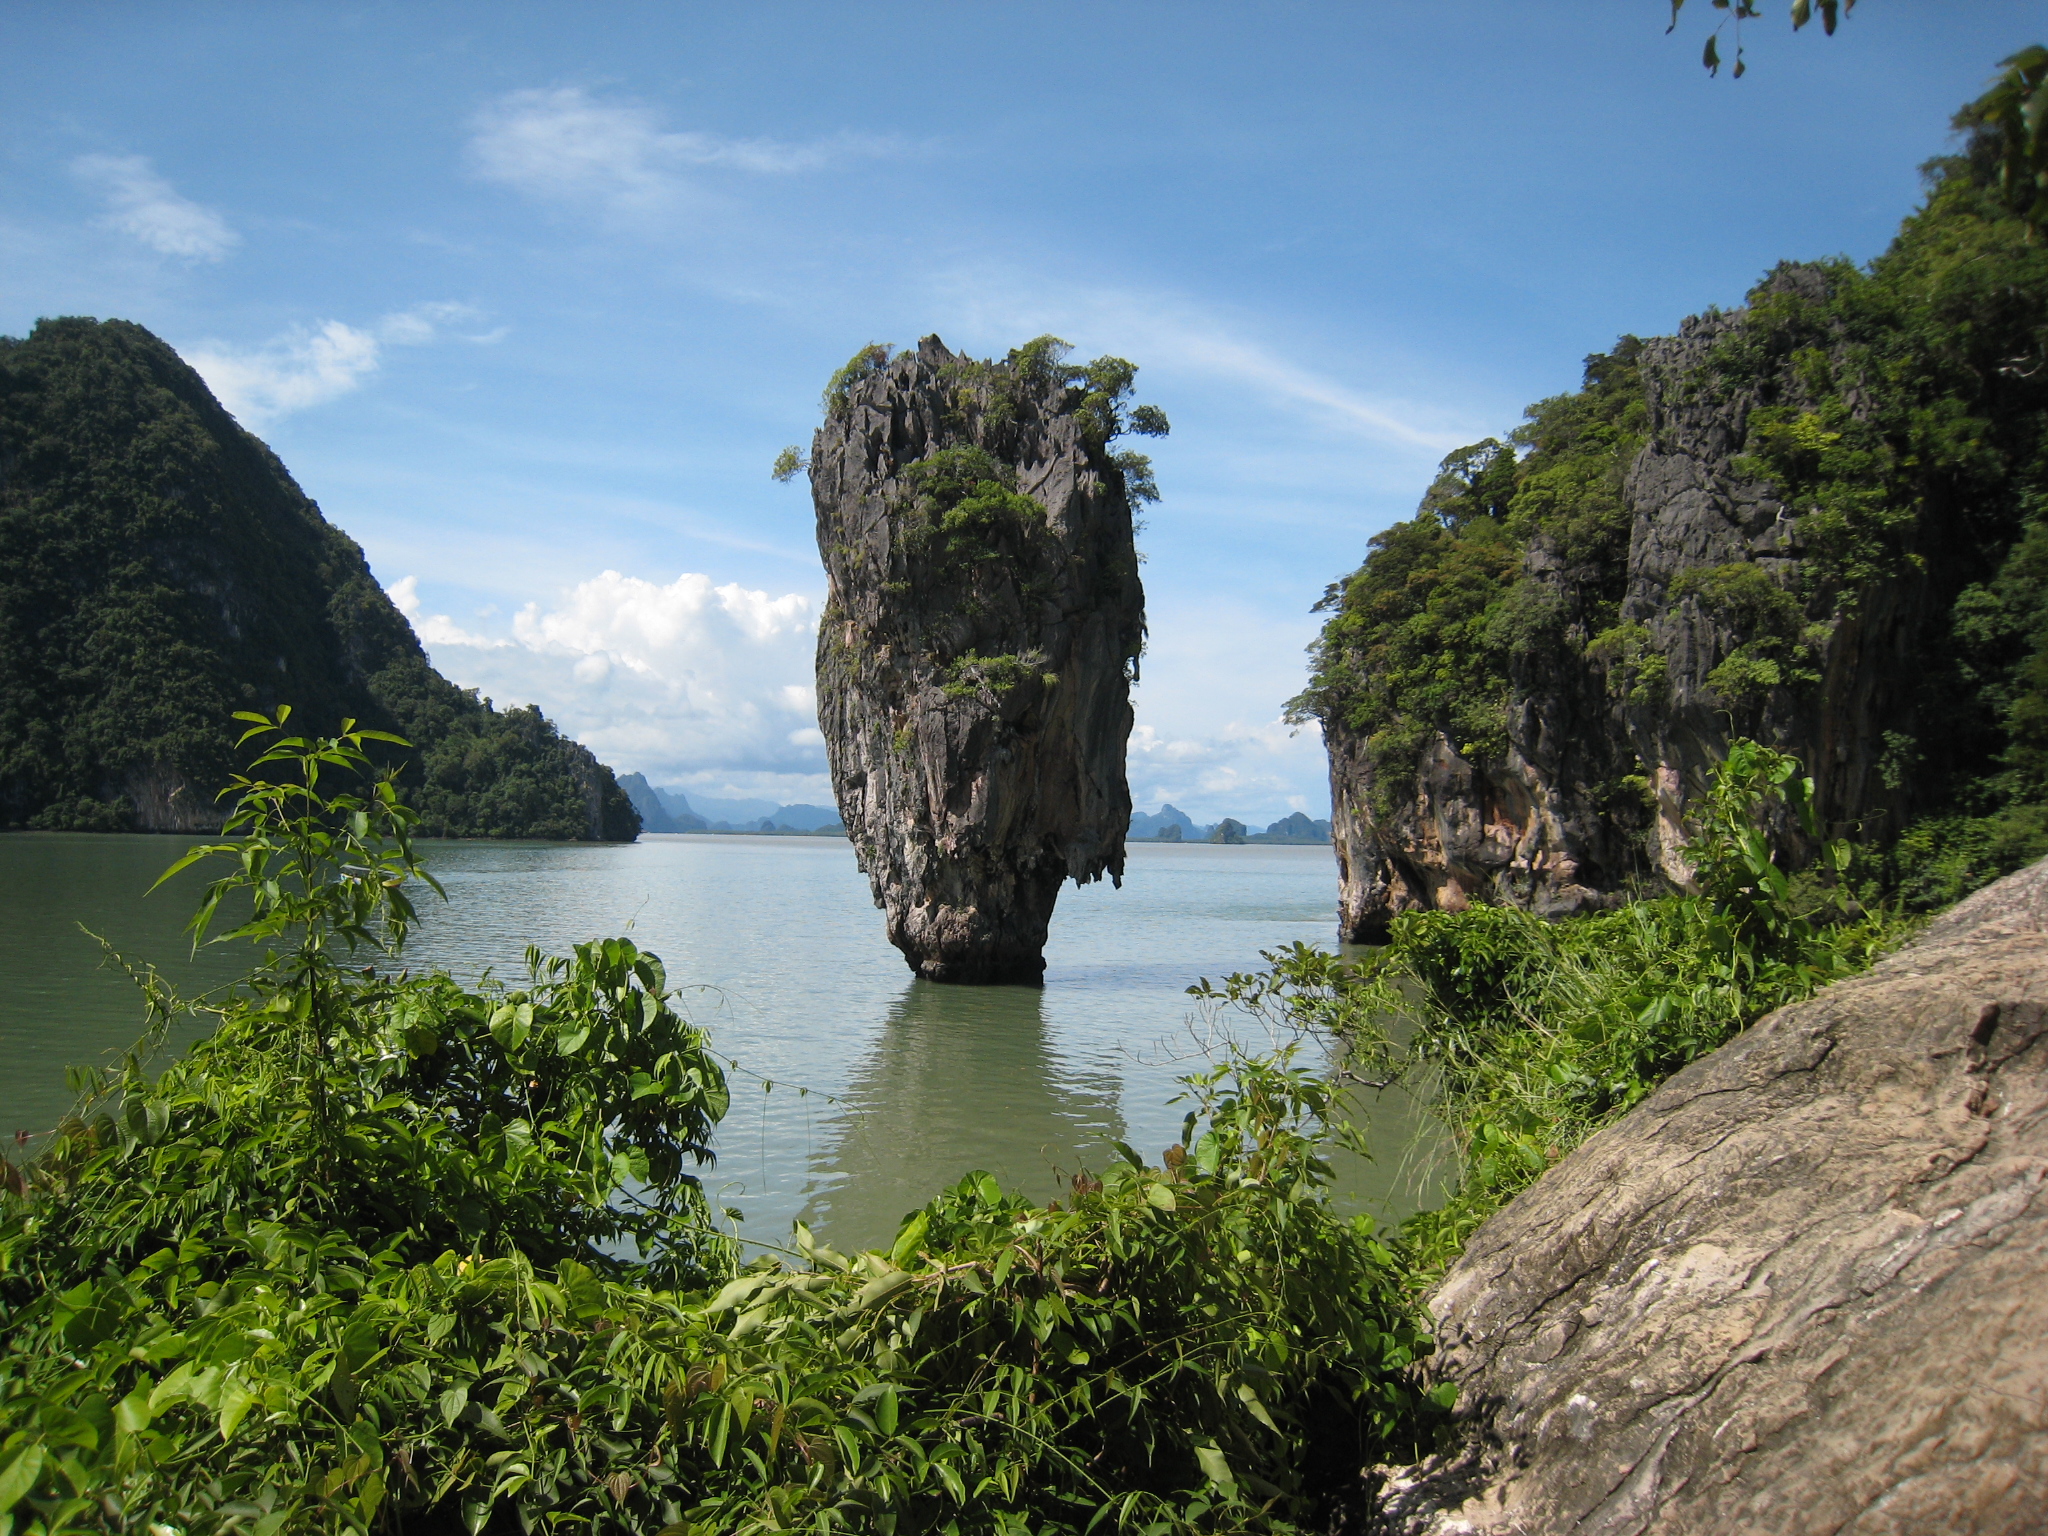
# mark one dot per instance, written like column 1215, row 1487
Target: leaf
column 132, row 1414
column 508, row 1028
column 879, row 1290
column 885, row 1411
column 909, row 1240
column 1444, row 1394
column 235, row 1401
column 1711, row 58
column 737, row 1291
column 1215, row 1467
column 452, row 1402
column 20, row 1476
column 1161, row 1197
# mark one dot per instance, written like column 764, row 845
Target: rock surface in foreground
column 1802, row 1288
column 975, row 654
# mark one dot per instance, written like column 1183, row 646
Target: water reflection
column 958, row 1078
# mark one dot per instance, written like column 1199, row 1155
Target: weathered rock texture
column 975, row 654
column 1541, row 824
column 1802, row 1288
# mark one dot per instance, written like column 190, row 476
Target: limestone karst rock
column 979, row 640
column 1758, row 557
column 1803, row 1287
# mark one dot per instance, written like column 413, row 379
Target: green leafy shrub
column 1527, row 1035
column 384, row 1252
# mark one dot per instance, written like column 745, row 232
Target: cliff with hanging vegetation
column 980, row 637
column 1820, row 520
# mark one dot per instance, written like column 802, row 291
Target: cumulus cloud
column 709, row 685
column 144, row 206
column 309, row 366
column 562, row 146
column 677, row 681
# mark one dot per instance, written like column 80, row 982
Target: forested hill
column 160, row 569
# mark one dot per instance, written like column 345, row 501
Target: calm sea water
column 859, row 1089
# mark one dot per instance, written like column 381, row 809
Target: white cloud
column 306, row 367
column 436, row 629
column 678, row 681
column 562, row 146
column 709, row 686
column 141, row 204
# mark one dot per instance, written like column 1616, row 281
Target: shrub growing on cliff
column 1529, row 1035
column 1896, row 412
column 1431, row 633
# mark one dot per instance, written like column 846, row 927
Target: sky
column 528, row 296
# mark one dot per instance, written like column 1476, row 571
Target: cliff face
column 977, row 647
column 1546, row 819
column 1799, row 1288
column 159, row 569
column 1817, row 522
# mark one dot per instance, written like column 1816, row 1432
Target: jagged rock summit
column 980, row 638
column 1803, row 1287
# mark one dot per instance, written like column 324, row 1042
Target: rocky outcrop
column 1725, row 630
column 976, row 650
column 1802, row 1288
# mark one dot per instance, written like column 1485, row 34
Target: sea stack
column 980, row 638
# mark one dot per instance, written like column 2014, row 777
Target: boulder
column 1801, row 1288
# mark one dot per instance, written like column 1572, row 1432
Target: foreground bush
column 386, row 1253
column 1526, row 1036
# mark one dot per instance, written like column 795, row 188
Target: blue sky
column 528, row 296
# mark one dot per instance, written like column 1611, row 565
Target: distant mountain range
column 673, row 810
column 1171, row 825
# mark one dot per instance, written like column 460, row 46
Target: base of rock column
column 982, row 969
column 997, row 942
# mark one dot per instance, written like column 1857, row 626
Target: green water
column 860, row 1089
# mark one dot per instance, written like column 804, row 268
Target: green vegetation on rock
column 159, row 568
column 1898, row 414
column 1426, row 635
column 1526, row 1036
